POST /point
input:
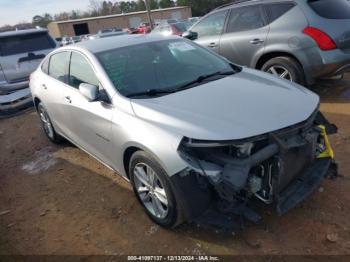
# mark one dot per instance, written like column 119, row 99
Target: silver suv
column 299, row 40
column 20, row 54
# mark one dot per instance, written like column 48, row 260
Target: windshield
column 19, row 44
column 163, row 65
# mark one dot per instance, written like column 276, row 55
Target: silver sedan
column 185, row 126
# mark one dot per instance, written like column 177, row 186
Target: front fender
column 131, row 131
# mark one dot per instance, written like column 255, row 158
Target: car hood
column 240, row 106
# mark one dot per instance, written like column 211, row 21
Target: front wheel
column 152, row 188
column 286, row 68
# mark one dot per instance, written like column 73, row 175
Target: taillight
column 324, row 41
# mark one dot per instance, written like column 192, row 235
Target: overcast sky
column 15, row 11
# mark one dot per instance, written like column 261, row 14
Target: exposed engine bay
column 280, row 168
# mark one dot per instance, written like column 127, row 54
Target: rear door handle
column 67, row 98
column 212, row 45
column 44, row 86
column 256, row 41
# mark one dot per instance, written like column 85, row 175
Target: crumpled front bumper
column 303, row 186
column 300, row 188
column 286, row 168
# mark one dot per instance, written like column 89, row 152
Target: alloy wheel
column 46, row 122
column 281, row 72
column 150, row 190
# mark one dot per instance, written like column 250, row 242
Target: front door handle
column 44, row 86
column 256, row 41
column 67, row 98
column 212, row 45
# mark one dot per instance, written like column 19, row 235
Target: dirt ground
column 58, row 200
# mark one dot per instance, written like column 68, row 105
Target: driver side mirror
column 89, row 91
column 190, row 35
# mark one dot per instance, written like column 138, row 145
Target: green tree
column 153, row 4
column 74, row 15
column 166, row 3
column 106, row 8
column 61, row 16
column 128, row 6
column 202, row 7
column 116, row 8
column 141, row 6
column 42, row 20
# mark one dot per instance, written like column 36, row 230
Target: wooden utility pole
column 149, row 14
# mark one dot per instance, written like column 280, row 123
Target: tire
column 278, row 64
column 47, row 126
column 167, row 216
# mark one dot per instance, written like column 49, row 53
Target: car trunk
column 20, row 55
column 333, row 18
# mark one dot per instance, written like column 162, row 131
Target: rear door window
column 245, row 19
column 275, row 11
column 331, row 9
column 58, row 66
column 20, row 44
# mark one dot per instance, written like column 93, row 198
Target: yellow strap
column 329, row 151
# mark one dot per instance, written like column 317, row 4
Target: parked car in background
column 144, row 28
column 172, row 21
column 74, row 39
column 69, row 40
column 65, row 40
column 187, row 128
column 131, row 31
column 110, row 30
column 20, row 54
column 177, row 28
column 59, row 41
column 299, row 40
column 103, row 35
column 84, row 37
column 193, row 19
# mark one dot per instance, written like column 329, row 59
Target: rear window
column 275, row 11
column 331, row 9
column 20, row 44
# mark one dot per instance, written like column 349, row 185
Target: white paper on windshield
column 181, row 46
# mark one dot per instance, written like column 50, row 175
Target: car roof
column 108, row 43
column 250, row 2
column 22, row 32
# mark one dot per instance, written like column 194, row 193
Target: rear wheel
column 47, row 125
column 152, row 188
column 286, row 68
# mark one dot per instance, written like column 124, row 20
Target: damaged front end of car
column 281, row 168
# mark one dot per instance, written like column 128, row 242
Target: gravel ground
column 58, row 200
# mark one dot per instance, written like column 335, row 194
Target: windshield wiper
column 151, row 92
column 201, row 78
